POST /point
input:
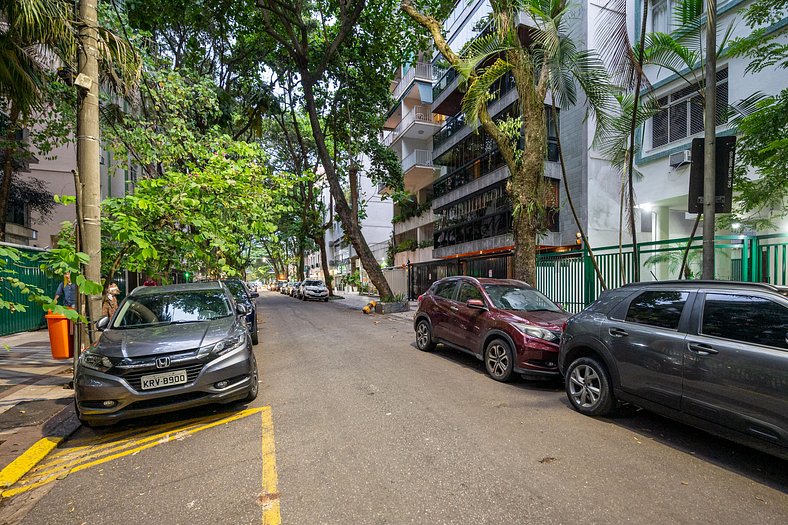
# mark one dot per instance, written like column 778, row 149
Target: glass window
column 468, row 292
column 238, row 290
column 172, row 307
column 657, row 308
column 745, row 318
column 445, row 290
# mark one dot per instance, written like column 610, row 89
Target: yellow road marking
column 37, row 479
column 269, row 499
column 14, row 471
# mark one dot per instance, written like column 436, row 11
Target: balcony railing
column 422, row 71
column 419, row 157
column 417, row 114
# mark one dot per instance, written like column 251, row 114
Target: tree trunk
column 341, row 206
column 300, row 262
column 353, row 176
column 88, row 150
column 8, row 167
column 320, row 240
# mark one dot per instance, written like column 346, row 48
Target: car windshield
column 172, row 307
column 313, row 283
column 237, row 289
column 511, row 297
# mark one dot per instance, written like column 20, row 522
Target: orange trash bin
column 59, row 339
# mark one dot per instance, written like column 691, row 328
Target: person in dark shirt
column 68, row 291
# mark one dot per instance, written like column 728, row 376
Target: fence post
column 589, row 279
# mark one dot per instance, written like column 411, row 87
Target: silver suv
column 711, row 354
column 313, row 290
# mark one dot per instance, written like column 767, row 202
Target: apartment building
column 664, row 161
column 470, row 214
column 408, row 131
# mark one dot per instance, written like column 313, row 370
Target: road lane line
column 14, row 471
column 164, row 437
column 269, row 499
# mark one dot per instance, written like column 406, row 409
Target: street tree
column 348, row 47
column 545, row 60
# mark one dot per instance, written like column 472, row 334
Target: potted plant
column 392, row 304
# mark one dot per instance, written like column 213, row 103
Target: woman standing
column 110, row 303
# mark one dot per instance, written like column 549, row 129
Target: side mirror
column 476, row 303
column 242, row 309
column 102, row 324
column 254, row 295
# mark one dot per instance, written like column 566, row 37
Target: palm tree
column 544, row 60
column 33, row 34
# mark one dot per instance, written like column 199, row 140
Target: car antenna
column 652, row 274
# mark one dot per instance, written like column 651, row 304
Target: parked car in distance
column 313, row 290
column 293, row 288
column 243, row 296
column 507, row 324
column 167, row 348
column 711, row 354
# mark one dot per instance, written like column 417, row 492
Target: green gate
column 27, row 270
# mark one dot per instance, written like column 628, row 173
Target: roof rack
column 690, row 282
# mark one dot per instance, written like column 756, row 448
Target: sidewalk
column 32, row 393
column 356, row 301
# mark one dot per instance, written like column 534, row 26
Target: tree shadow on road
column 745, row 461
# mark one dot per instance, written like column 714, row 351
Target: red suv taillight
column 563, row 326
column 420, row 298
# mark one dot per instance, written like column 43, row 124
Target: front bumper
column 92, row 388
column 535, row 357
column 309, row 294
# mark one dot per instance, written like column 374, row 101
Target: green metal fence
column 28, row 271
column 568, row 278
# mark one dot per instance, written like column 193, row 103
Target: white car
column 313, row 290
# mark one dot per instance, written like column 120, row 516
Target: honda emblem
column 162, row 362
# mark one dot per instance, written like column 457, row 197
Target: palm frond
column 479, row 51
column 665, row 51
column 615, row 47
column 478, row 94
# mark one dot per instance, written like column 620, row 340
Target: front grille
column 134, row 376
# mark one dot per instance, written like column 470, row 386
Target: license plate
column 176, row 377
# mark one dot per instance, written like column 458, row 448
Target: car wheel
column 424, row 336
column 499, row 360
column 255, row 386
column 325, row 300
column 588, row 387
column 255, row 338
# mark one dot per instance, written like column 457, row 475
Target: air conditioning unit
column 680, row 158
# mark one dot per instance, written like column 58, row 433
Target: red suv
column 508, row 324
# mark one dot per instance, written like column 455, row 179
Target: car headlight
column 535, row 331
column 95, row 361
column 224, row 346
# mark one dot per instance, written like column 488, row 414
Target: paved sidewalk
column 32, row 391
column 357, row 301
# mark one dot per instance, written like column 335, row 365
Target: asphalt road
column 369, row 430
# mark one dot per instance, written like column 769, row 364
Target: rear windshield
column 172, row 307
column 238, row 290
column 313, row 283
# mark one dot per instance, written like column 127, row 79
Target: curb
column 55, row 429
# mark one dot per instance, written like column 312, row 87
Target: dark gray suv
column 712, row 354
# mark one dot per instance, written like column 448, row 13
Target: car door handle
column 701, row 349
column 617, row 332
column 454, row 308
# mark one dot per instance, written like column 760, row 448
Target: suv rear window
column 745, row 318
column 313, row 283
column 445, row 290
column 660, row 308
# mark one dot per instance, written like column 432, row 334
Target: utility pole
column 88, row 148
column 710, row 140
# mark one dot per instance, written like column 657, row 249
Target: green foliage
column 409, row 208
column 762, row 49
column 763, row 149
column 406, row 245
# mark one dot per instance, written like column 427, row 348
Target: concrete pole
column 88, row 149
column 710, row 140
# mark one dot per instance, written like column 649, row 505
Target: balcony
column 420, row 122
column 421, row 71
column 425, row 219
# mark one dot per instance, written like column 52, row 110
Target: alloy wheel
column 585, row 386
column 422, row 335
column 498, row 362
